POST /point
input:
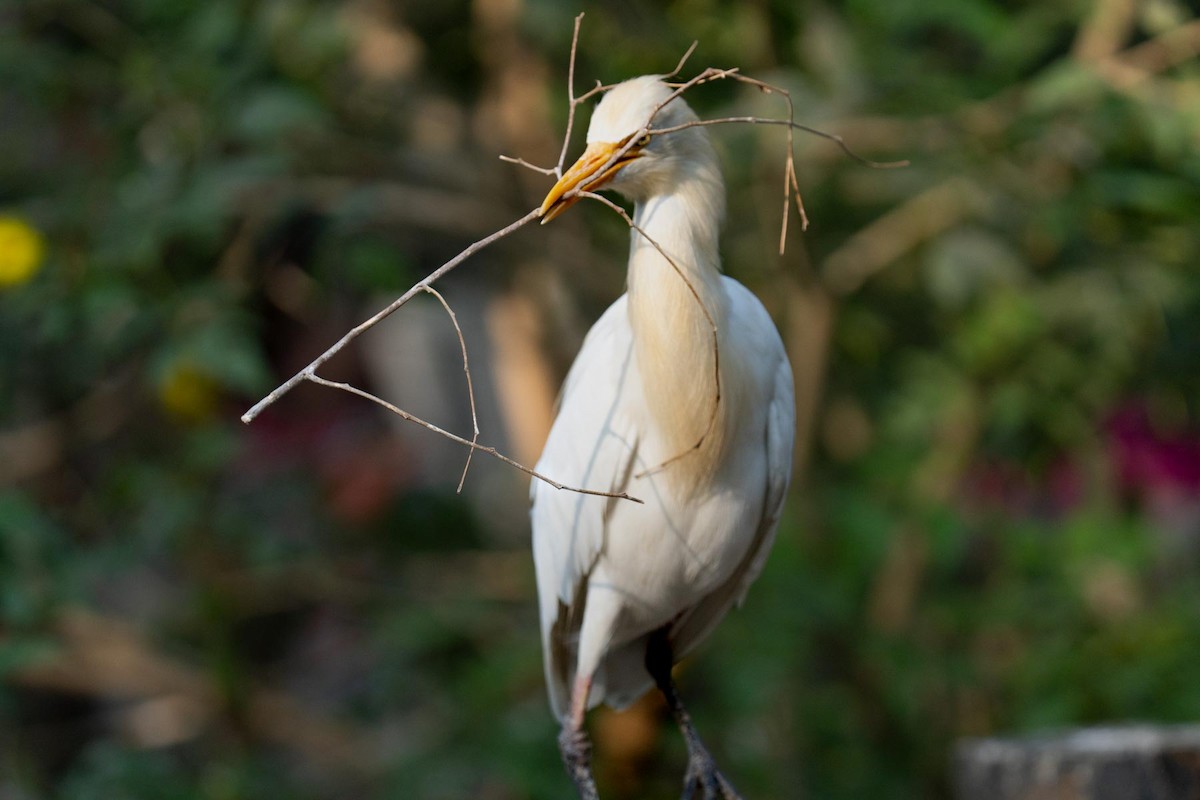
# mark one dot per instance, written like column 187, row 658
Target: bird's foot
column 702, row 775
column 577, row 756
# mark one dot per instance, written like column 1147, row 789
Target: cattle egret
column 701, row 433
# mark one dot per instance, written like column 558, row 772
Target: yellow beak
column 583, row 174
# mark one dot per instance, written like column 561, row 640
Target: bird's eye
column 642, row 142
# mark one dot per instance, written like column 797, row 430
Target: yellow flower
column 21, row 249
column 188, row 393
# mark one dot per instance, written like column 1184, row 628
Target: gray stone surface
column 1127, row 762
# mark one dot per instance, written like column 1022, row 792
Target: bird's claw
column 702, row 774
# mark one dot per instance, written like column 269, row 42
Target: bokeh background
column 995, row 526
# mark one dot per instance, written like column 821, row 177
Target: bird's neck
column 676, row 300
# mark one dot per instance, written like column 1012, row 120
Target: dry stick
column 573, row 102
column 711, row 74
column 789, row 181
column 833, row 137
column 470, row 388
column 791, row 186
column 712, row 326
column 491, row 451
column 520, row 162
column 310, row 371
column 686, row 55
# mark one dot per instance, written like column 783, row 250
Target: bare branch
column 572, row 103
column 799, row 200
column 523, row 163
column 687, row 54
column 470, row 388
column 791, row 186
column 309, row 373
column 788, row 172
column 369, row 323
column 595, row 90
column 491, row 451
column 833, row 137
column 791, row 190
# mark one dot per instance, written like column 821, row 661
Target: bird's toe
column 704, row 777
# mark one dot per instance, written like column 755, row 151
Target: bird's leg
column 702, row 773
column 573, row 741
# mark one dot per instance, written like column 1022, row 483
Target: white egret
column 701, row 433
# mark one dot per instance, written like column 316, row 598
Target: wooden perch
column 1127, row 762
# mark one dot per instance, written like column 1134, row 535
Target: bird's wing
column 778, row 441
column 781, row 435
column 592, row 445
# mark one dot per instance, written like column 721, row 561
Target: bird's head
column 621, row 154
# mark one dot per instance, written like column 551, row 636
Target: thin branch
column 462, row 343
column 679, row 67
column 791, row 189
column 833, row 137
column 491, row 451
column 369, row 323
column 309, row 373
column 523, row 163
column 707, row 75
column 791, row 186
column 799, row 202
column 595, row 90
column 571, row 103
column 712, row 326
column 788, row 172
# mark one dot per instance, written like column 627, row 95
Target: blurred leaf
column 278, row 111
column 968, row 262
column 33, row 556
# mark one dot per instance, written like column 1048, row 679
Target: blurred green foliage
column 998, row 525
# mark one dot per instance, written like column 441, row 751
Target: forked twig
column 491, row 451
column 686, row 55
column 791, row 186
column 309, row 373
column 833, row 137
column 573, row 103
column 791, row 190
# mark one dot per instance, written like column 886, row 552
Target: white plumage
column 613, row 574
